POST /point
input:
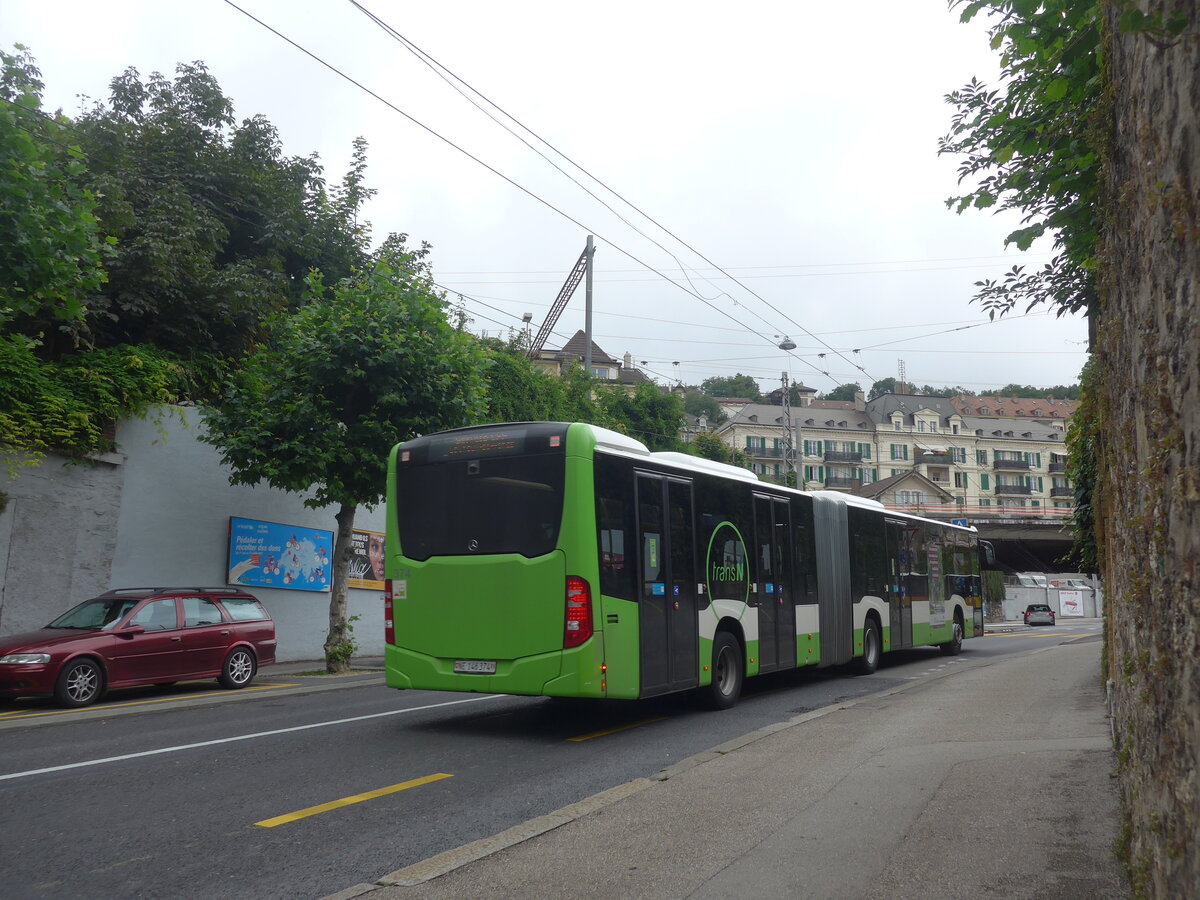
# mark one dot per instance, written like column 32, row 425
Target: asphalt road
column 303, row 786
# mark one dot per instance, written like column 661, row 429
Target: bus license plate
column 475, row 666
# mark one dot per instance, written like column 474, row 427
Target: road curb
column 431, row 868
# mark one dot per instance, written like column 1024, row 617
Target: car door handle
column 177, row 638
column 224, row 633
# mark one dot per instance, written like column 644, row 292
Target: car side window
column 244, row 609
column 157, row 615
column 200, row 611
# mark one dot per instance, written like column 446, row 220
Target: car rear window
column 244, row 609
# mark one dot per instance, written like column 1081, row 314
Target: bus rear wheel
column 728, row 671
column 872, row 649
column 953, row 646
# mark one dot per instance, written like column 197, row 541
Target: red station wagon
column 139, row 636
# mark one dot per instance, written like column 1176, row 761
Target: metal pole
column 799, row 454
column 587, row 316
column 789, row 449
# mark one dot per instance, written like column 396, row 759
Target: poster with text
column 290, row 557
column 366, row 560
column 1070, row 603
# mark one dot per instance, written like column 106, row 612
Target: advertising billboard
column 366, row 560
column 289, row 557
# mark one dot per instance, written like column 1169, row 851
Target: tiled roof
column 577, row 346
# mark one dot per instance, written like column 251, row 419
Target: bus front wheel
column 728, row 671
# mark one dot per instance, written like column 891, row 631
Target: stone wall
column 1148, row 508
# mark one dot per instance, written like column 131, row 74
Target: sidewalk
column 993, row 780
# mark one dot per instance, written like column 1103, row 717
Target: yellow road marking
column 349, row 801
column 18, row 714
column 596, row 734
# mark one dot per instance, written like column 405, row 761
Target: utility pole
column 590, row 252
column 789, row 449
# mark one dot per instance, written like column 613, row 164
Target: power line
column 496, row 172
column 430, row 61
column 748, row 277
column 893, row 262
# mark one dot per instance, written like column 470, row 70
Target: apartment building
column 980, row 453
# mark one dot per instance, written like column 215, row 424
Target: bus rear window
column 494, row 504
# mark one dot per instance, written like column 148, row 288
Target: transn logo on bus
column 725, row 569
column 728, row 573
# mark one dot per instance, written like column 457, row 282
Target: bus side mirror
column 987, row 553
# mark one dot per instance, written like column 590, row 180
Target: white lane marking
column 243, row 737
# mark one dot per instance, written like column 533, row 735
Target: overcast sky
column 794, row 144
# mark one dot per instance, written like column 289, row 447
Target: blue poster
column 267, row 554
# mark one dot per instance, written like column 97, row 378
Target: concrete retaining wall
column 156, row 513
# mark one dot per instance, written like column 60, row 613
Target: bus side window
column 615, row 538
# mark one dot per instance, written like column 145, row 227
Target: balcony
column 1011, row 464
column 1062, row 492
column 1022, row 489
column 843, row 456
column 933, row 459
column 842, row 482
column 765, row 452
column 1058, row 468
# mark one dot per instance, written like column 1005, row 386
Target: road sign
column 962, row 522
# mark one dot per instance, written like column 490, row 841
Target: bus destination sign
column 476, row 445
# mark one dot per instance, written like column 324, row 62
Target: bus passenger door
column 786, row 596
column 667, row 598
column 900, row 543
column 766, row 598
column 684, row 636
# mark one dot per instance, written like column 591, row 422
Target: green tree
column 1034, row 146
column 367, row 363
column 738, row 385
column 650, row 416
column 519, row 391
column 216, row 228
column 882, row 386
column 929, row 390
column 844, row 391
column 697, row 403
column 51, row 258
column 51, row 249
column 708, row 446
column 1059, row 391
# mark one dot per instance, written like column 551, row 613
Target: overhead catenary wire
column 442, row 72
column 424, row 55
column 741, row 324
column 893, row 262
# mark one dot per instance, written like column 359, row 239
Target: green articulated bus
column 566, row 560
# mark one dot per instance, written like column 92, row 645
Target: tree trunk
column 340, row 644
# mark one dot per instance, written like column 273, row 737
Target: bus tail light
column 578, row 625
column 389, row 628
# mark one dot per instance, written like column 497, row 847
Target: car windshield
column 102, row 613
column 1039, row 609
